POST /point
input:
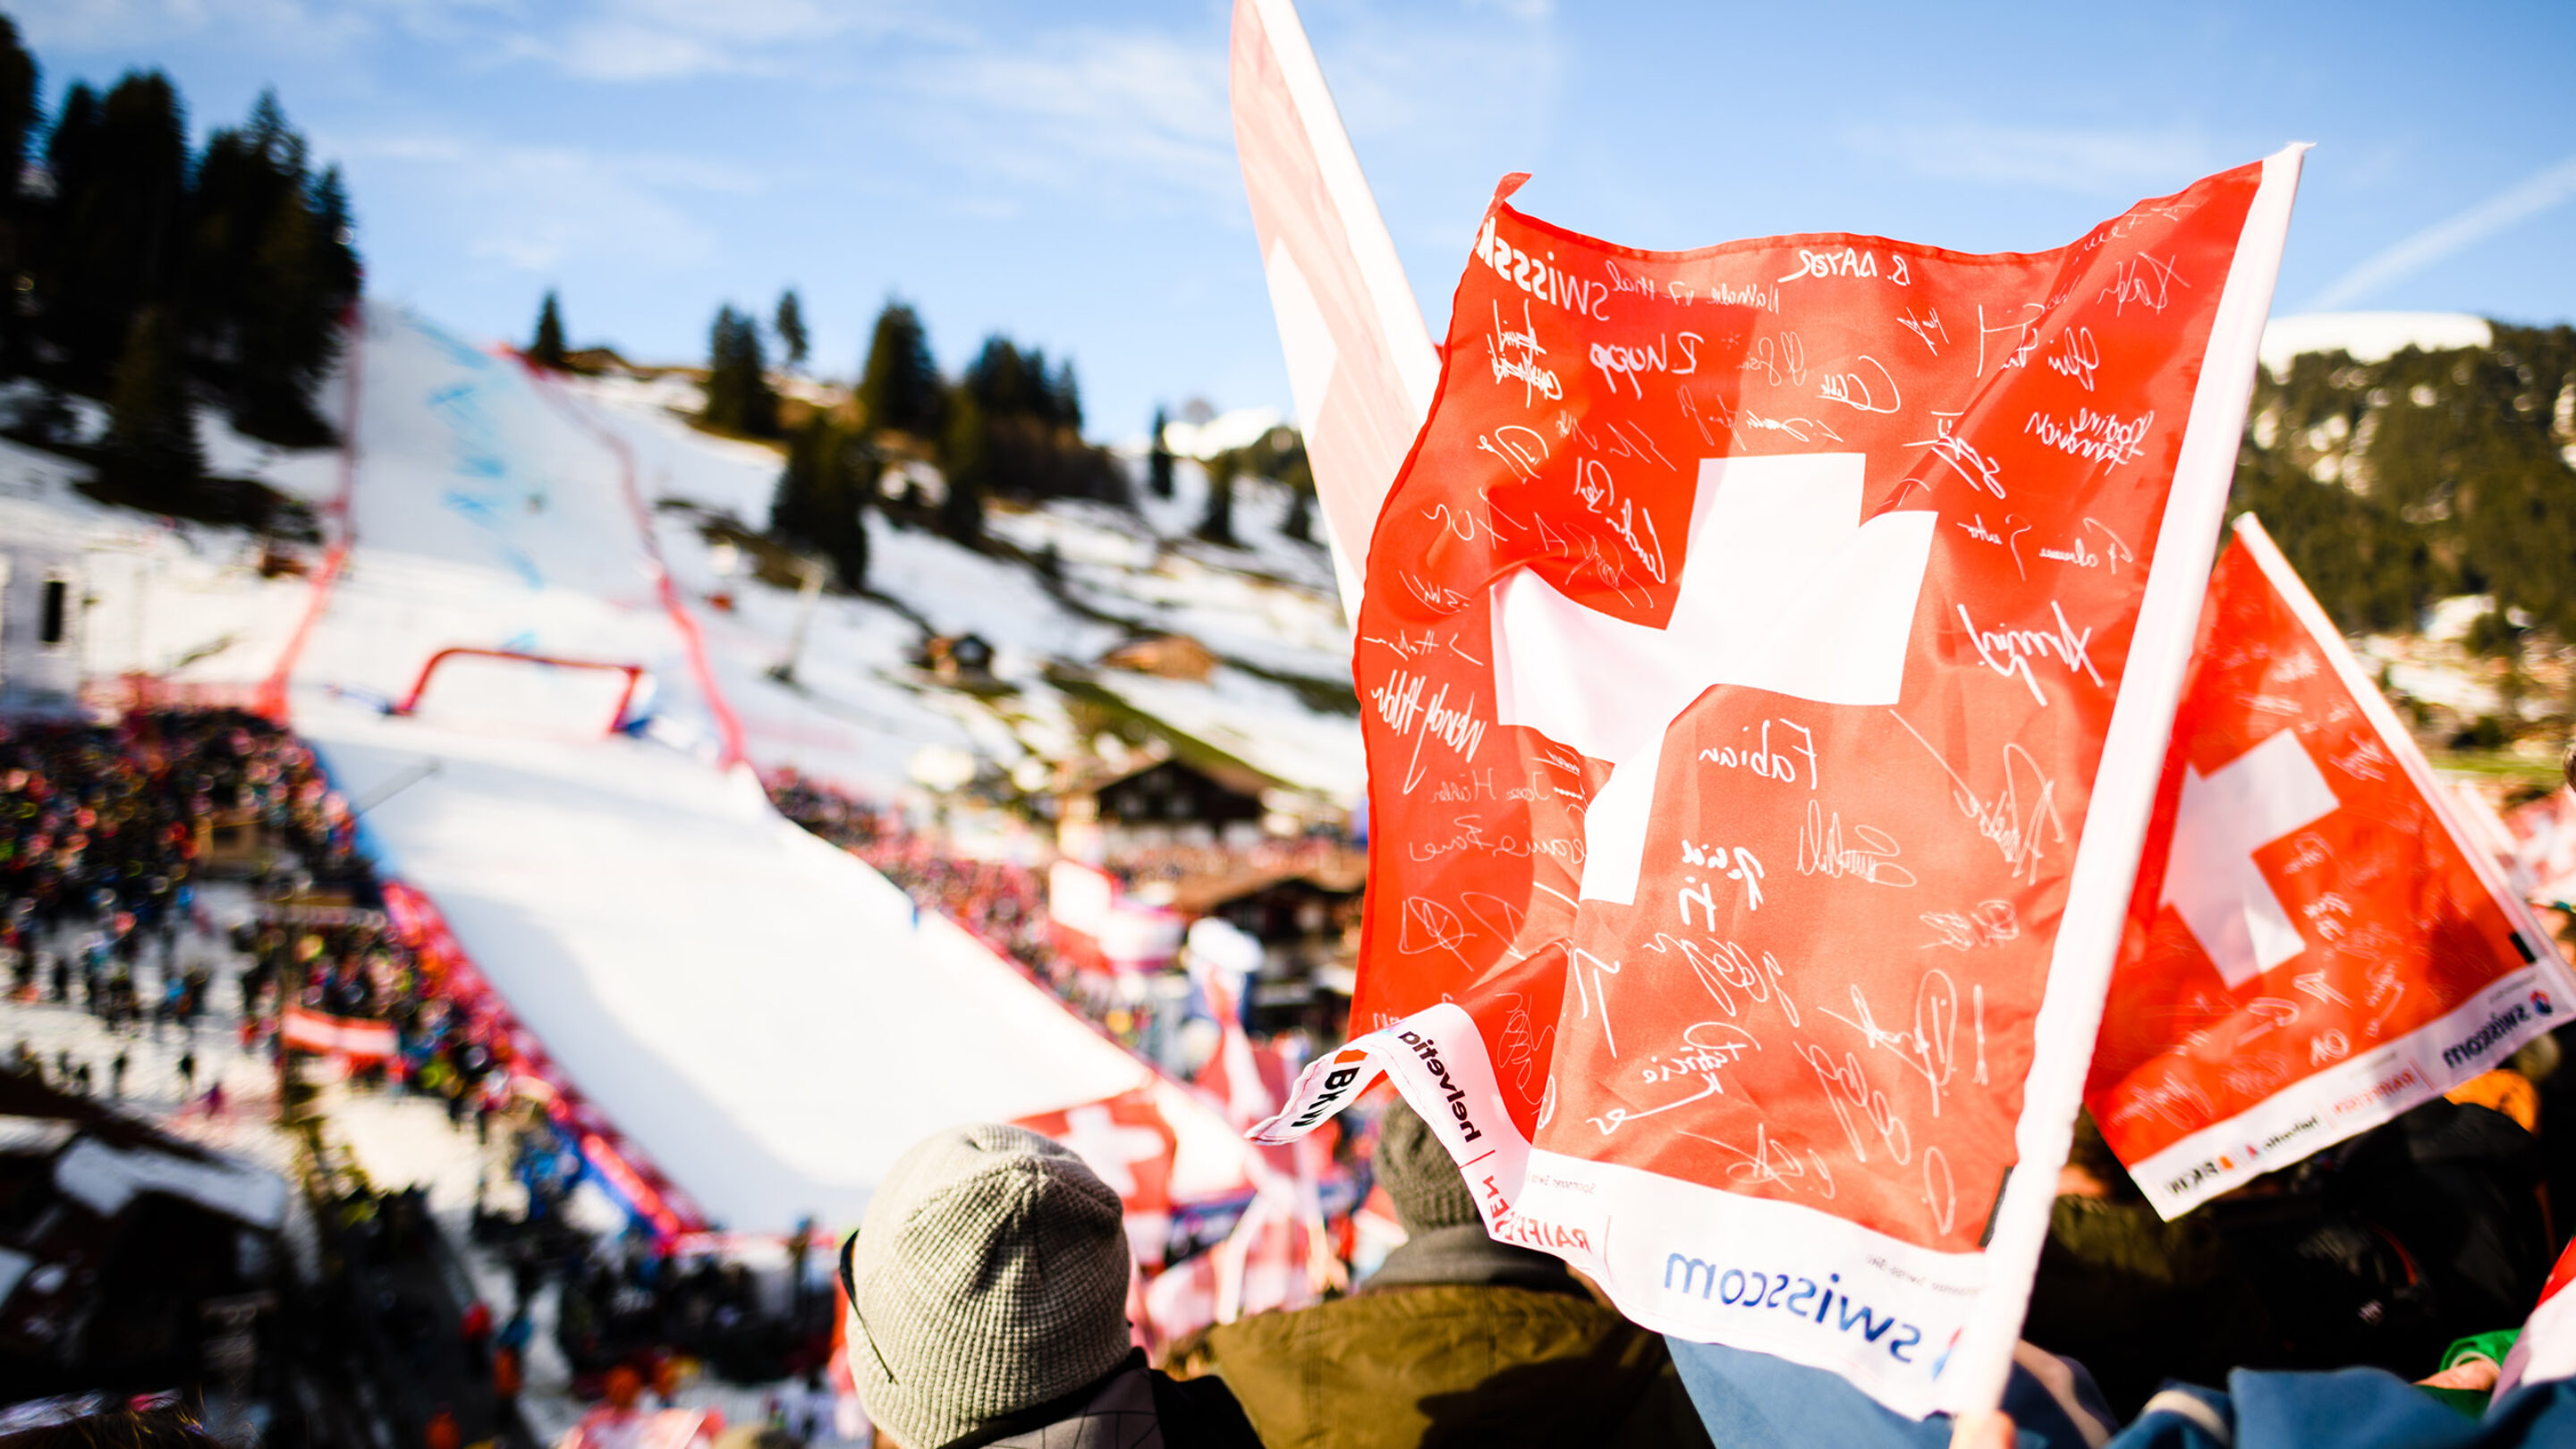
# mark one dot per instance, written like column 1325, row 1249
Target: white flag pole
column 2124, row 790
column 1362, row 367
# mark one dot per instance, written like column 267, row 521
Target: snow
column 107, row 1178
column 761, row 1014
column 2369, row 336
column 1240, row 428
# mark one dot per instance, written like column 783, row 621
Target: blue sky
column 1066, row 173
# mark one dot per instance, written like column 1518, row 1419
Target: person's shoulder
column 1200, row 1413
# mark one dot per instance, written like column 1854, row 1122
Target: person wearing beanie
column 1456, row 1340
column 988, row 1297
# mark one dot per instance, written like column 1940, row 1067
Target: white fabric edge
column 2293, row 590
column 2123, row 794
column 1407, row 336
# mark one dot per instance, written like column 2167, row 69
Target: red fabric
column 1844, row 911
column 358, row 1039
column 1125, row 1139
column 2307, row 900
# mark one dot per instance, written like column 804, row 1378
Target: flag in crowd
column 1761, row 658
column 2318, row 941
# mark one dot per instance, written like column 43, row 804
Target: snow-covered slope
column 762, row 1015
column 765, row 1017
column 2369, row 336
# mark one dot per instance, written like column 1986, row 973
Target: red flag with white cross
column 2317, row 942
column 1130, row 1143
column 1766, row 659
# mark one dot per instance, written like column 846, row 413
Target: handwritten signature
column 1871, row 855
column 2023, row 834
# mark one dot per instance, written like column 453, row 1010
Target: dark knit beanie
column 989, row 1277
column 1419, row 1175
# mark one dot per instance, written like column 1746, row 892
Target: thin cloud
column 2510, row 208
column 1134, row 109
column 537, row 208
column 2076, row 159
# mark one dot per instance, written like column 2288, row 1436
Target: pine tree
column 546, row 349
column 19, row 114
column 739, row 397
column 822, row 496
column 965, row 457
column 152, row 458
column 899, row 387
column 269, row 273
column 1217, row 524
column 1300, row 522
column 116, row 231
column 790, row 325
column 1158, row 459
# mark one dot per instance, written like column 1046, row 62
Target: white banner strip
column 1672, row 1255
column 2354, row 1096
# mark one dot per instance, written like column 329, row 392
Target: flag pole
column 2124, row 789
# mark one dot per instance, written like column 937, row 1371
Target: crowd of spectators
column 102, row 827
column 1002, row 904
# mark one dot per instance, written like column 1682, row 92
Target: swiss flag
column 356, row 1038
column 1766, row 656
column 2546, row 1347
column 2544, row 835
column 1127, row 1140
column 2318, row 941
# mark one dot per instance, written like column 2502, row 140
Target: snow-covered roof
column 2370, row 336
column 107, row 1178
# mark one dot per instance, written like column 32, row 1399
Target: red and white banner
column 2317, row 941
column 1128, row 1142
column 2544, row 834
column 1360, row 362
column 353, row 1037
column 2546, row 1347
column 1768, row 653
column 1097, row 927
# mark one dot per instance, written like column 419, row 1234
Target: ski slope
column 761, row 1014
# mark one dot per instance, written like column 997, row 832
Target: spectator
column 988, row 1285
column 507, row 1376
column 474, row 1327
column 1457, row 1339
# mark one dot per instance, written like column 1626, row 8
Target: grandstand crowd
column 2339, row 1301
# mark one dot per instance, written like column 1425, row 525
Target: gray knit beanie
column 988, row 1277
column 1419, row 1175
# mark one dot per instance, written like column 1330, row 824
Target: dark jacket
column 1458, row 1340
column 1135, row 1407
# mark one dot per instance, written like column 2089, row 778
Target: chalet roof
column 1240, row 779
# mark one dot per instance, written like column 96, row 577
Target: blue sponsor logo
column 1821, row 1302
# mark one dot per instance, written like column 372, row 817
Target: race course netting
column 769, row 1021
column 500, row 691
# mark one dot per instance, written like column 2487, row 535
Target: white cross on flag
column 2221, row 819
column 2318, row 941
column 1765, row 658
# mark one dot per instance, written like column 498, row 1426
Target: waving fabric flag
column 2546, row 1348
column 357, row 1038
column 1767, row 657
column 2544, row 834
column 2317, row 941
column 1360, row 362
column 1127, row 1141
